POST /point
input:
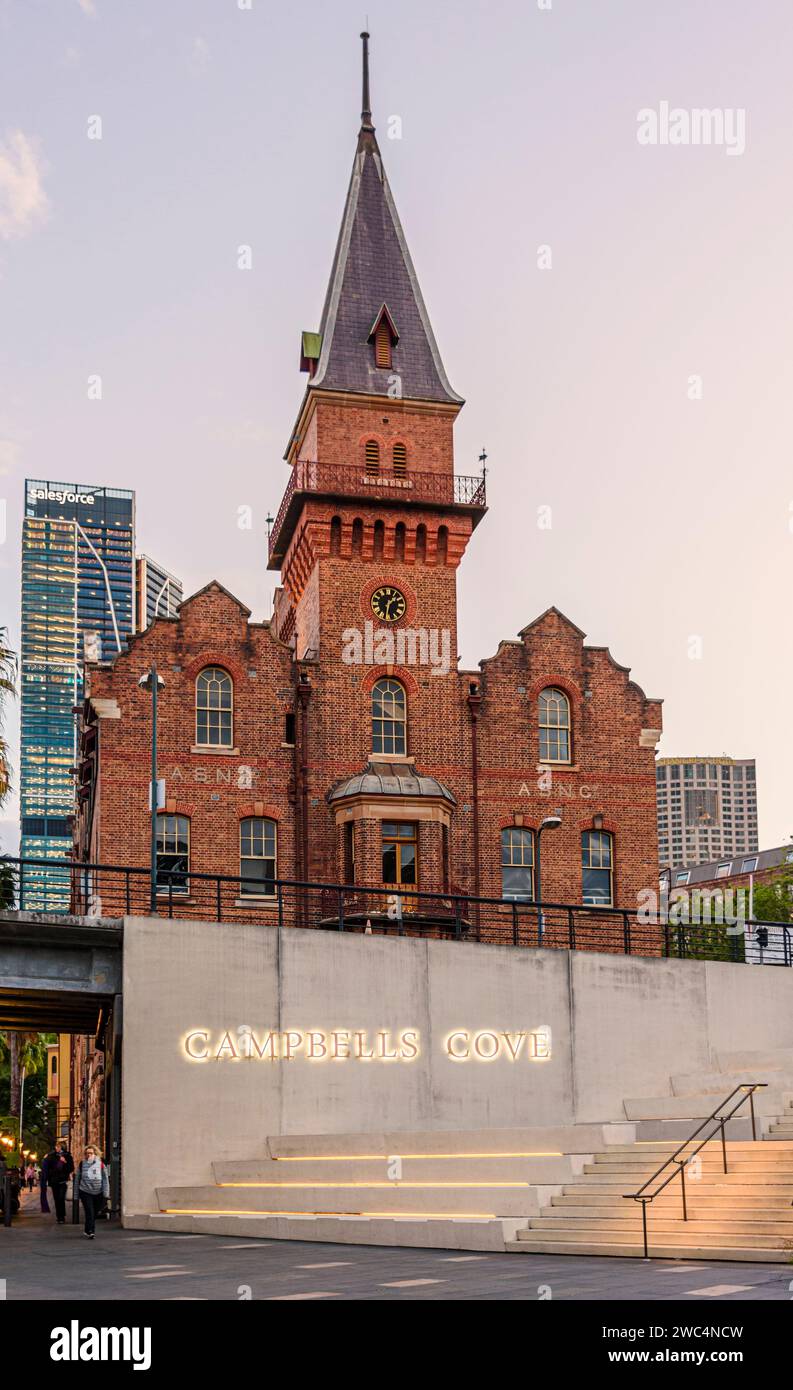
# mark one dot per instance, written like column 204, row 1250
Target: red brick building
column 339, row 742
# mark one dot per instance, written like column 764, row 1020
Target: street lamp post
column 548, row 823
column 151, row 681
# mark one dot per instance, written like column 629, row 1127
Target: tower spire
column 366, row 103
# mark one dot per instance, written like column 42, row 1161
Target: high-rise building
column 158, row 593
column 78, row 587
column 707, row 808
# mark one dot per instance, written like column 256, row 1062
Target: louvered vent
column 382, row 345
column 372, row 456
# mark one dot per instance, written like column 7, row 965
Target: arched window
column 356, row 545
column 517, row 864
column 372, row 456
column 443, row 545
column 399, row 540
column 258, row 856
column 389, row 718
column 173, row 853
column 214, row 708
column 335, row 535
column 379, row 540
column 400, row 460
column 597, row 868
column 554, row 723
column 421, row 544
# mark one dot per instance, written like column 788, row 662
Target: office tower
column 707, row 808
column 78, row 583
column 158, row 593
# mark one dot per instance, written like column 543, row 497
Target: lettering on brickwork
column 243, row 777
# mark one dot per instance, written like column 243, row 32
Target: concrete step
column 502, row 1168
column 663, row 1148
column 540, row 1243
column 446, row 1233
column 711, row 1153
column 746, row 1152
column 665, row 1129
column 671, row 1236
column 772, row 1059
column 671, row 1199
column 778, row 1216
column 725, row 1188
column 716, row 1226
column 767, row 1102
column 707, row 1083
column 760, row 1172
column 373, row 1199
column 538, row 1141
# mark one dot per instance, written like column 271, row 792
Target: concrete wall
column 620, row 1027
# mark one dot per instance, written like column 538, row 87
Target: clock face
column 389, row 604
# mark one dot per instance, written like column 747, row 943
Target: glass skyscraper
column 159, row 593
column 78, row 603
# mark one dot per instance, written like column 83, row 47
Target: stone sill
column 212, row 750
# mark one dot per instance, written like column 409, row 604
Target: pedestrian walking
column 30, row 1177
column 60, row 1166
column 93, row 1186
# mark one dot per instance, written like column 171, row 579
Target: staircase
column 781, row 1130
column 745, row 1214
column 544, row 1191
column 467, row 1190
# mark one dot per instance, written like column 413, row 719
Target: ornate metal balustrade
column 337, row 480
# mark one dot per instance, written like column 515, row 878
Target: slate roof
column 708, row 873
column 371, row 268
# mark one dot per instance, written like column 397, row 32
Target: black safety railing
column 682, row 1157
column 102, row 890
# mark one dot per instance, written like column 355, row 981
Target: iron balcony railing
column 101, row 890
column 350, row 480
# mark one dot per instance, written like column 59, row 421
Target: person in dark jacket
column 60, row 1166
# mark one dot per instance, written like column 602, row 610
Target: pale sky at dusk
column 672, row 518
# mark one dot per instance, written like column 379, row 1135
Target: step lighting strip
column 392, row 1184
column 383, row 1157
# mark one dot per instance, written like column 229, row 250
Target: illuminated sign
column 338, row 1044
column 486, row 1045
column 49, row 494
column 362, row 1045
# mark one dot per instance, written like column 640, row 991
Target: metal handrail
column 118, row 889
column 748, row 1089
column 352, row 480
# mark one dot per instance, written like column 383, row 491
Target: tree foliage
column 773, row 901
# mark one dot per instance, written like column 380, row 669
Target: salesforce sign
column 60, row 494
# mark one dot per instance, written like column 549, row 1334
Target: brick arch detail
column 175, row 806
column 364, row 438
column 213, row 657
column 609, row 825
column 259, row 809
column 397, row 673
column 553, row 682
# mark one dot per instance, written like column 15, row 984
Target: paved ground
column 39, row 1260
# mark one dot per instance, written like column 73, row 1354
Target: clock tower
column 374, row 521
